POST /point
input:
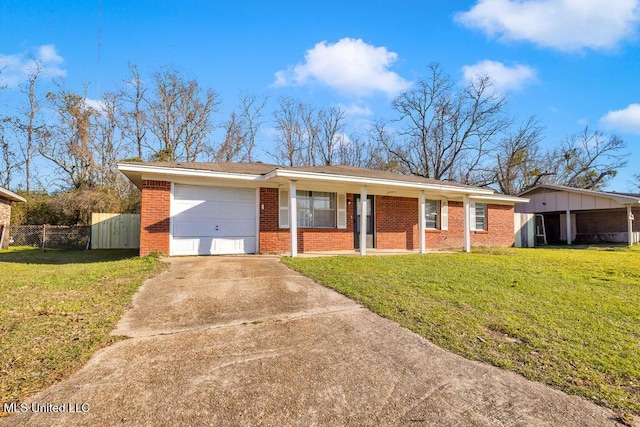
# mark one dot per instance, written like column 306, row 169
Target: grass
column 57, row 308
column 568, row 318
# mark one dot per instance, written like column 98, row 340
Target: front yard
column 57, row 308
column 566, row 317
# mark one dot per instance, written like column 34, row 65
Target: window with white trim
column 316, row 209
column 432, row 214
column 481, row 216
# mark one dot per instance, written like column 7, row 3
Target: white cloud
column 97, row 105
column 349, row 66
column 356, row 110
column 48, row 54
column 15, row 68
column 625, row 120
column 504, row 77
column 560, row 24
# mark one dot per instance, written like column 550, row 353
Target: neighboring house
column 6, row 199
column 591, row 216
column 227, row 208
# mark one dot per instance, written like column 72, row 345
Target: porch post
column 363, row 220
column 293, row 218
column 629, row 226
column 467, row 225
column 568, row 226
column 421, row 222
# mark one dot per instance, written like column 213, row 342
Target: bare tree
column 27, row 123
column 108, row 145
column 235, row 140
column 10, row 163
column 134, row 119
column 310, row 125
column 444, row 132
column 588, row 159
column 31, row 126
column 180, row 116
column 380, row 138
column 251, row 110
column 241, row 129
column 331, row 127
column 289, row 137
column 69, row 142
column 519, row 162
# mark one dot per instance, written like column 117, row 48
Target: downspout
column 629, row 226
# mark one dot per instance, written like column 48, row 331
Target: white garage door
column 213, row 220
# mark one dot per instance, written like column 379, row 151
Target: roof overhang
column 618, row 198
column 138, row 173
column 318, row 181
column 10, row 195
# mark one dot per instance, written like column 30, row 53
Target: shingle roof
column 264, row 168
column 371, row 173
column 619, row 197
column 246, row 168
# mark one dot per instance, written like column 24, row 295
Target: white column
column 421, row 223
column 629, row 226
column 467, row 225
column 568, row 227
column 363, row 220
column 293, row 218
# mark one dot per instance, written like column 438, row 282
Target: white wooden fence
column 525, row 230
column 115, row 231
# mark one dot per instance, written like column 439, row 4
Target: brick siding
column 277, row 240
column 5, row 221
column 605, row 221
column 154, row 217
column 396, row 223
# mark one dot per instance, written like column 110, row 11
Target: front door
column 370, row 224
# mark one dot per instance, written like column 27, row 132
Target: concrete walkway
column 247, row 341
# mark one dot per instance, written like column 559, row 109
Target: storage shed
column 589, row 216
column 6, row 199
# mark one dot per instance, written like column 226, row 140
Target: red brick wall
column 154, row 217
column 605, row 221
column 396, row 222
column 454, row 236
column 276, row 240
column 500, row 228
column 397, row 226
column 5, row 220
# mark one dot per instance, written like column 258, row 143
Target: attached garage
column 212, row 220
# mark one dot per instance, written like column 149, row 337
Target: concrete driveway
column 247, row 341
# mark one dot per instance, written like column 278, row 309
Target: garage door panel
column 241, row 210
column 193, row 193
column 226, row 228
column 213, row 220
column 208, row 246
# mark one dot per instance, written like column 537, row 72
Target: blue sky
column 571, row 63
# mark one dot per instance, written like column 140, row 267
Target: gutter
column 283, row 173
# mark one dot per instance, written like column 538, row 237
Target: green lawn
column 566, row 317
column 57, row 308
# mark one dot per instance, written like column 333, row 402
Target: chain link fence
column 50, row 236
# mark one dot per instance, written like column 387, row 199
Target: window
column 432, row 213
column 481, row 216
column 316, row 209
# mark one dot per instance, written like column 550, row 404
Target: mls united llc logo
column 45, row 407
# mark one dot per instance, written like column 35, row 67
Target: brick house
column 590, row 216
column 227, row 208
column 6, row 199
